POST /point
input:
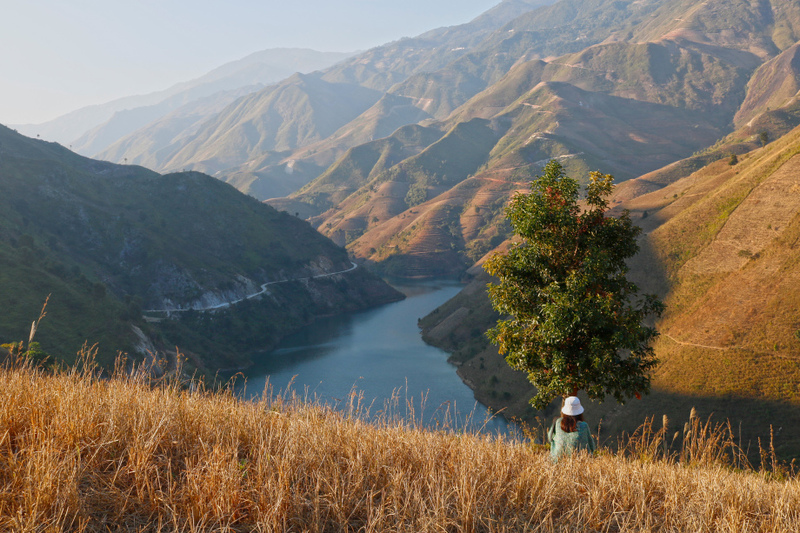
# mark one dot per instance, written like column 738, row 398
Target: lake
column 380, row 354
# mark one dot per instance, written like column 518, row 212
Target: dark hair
column 569, row 424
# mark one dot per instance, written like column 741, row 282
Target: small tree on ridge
column 572, row 319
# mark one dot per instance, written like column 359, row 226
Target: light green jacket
column 563, row 443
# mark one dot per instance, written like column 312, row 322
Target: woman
column 570, row 432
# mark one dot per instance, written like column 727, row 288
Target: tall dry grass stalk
column 698, row 444
column 79, row 453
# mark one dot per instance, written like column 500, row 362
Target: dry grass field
column 80, row 453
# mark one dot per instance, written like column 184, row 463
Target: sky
column 57, row 56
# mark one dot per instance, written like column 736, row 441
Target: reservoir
column 379, row 354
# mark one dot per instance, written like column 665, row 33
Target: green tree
column 572, row 320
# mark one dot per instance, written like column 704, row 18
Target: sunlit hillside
column 623, row 87
column 720, row 246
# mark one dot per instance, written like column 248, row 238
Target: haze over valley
column 226, row 231
column 211, row 217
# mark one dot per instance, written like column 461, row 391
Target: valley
column 383, row 150
column 255, row 299
column 233, row 209
column 347, row 356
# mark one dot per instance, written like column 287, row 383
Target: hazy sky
column 56, row 55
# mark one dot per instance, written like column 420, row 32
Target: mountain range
column 406, row 153
column 92, row 129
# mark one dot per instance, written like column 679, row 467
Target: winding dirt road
column 780, row 355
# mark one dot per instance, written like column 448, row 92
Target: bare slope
column 623, row 106
column 627, row 123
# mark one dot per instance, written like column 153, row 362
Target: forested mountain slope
column 107, row 241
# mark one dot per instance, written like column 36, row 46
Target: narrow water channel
column 380, row 354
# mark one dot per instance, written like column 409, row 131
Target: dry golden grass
column 79, row 453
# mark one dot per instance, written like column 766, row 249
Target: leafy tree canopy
column 572, row 319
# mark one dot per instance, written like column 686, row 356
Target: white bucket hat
column 572, row 406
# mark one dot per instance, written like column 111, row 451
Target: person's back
column 570, row 432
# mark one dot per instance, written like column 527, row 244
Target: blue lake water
column 380, row 354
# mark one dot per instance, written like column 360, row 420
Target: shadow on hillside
column 753, row 422
column 751, row 419
column 646, row 270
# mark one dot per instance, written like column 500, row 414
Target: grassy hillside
column 280, row 174
column 721, row 248
column 298, row 111
column 83, row 454
column 773, row 86
column 107, row 241
column 155, row 143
